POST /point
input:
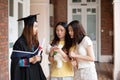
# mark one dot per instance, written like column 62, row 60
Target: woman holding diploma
column 25, row 60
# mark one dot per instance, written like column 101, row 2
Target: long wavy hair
column 67, row 37
column 31, row 39
column 78, row 31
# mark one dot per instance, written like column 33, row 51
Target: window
column 76, row 10
column 11, row 6
column 74, row 1
column 91, row 0
column 91, row 10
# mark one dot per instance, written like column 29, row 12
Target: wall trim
column 106, row 58
column 35, row 3
column 116, row 1
column 99, row 33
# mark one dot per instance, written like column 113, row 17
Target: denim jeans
column 62, row 78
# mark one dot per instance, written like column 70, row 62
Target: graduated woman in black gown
column 25, row 58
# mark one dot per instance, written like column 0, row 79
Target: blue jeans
column 61, row 78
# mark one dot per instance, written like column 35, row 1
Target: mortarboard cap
column 29, row 19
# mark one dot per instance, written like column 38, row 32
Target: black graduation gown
column 31, row 72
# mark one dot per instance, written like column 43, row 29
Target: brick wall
column 60, row 10
column 106, row 26
column 3, row 39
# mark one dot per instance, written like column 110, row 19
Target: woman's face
column 70, row 30
column 60, row 31
column 35, row 28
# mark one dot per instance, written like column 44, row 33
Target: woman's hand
column 35, row 59
column 64, row 55
column 59, row 50
column 74, row 63
column 72, row 55
column 31, row 60
column 51, row 51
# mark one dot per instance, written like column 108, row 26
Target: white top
column 81, row 49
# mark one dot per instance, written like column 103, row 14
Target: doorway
column 87, row 12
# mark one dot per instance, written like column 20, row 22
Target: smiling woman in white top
column 81, row 53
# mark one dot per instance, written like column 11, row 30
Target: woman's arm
column 35, row 59
column 88, row 57
column 63, row 53
column 50, row 58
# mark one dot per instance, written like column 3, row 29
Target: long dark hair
column 67, row 37
column 29, row 37
column 78, row 30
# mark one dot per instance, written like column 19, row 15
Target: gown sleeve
column 22, row 61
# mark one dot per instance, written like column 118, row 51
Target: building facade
column 98, row 16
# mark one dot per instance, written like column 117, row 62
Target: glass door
column 86, row 11
column 76, row 13
column 91, row 27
